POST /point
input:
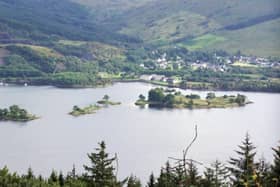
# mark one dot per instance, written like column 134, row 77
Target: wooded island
column 15, row 113
column 160, row 98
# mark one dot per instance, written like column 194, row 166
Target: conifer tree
column 30, row 174
column 276, row 166
column 61, row 179
column 180, row 175
column 209, row 179
column 217, row 175
column 263, row 173
column 100, row 173
column 53, row 179
column 193, row 177
column 166, row 178
column 244, row 167
column 152, row 182
column 133, row 182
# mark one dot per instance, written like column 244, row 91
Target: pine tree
column 100, row 173
column 166, row 177
column 209, row 179
column 152, row 182
column 244, row 167
column 133, row 182
column 193, row 177
column 30, row 174
column 263, row 172
column 217, row 175
column 276, row 166
column 61, row 179
column 221, row 174
column 53, row 179
column 180, row 175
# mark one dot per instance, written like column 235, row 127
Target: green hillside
column 166, row 22
column 197, row 25
column 174, row 27
column 56, row 42
column 261, row 39
column 45, row 21
column 103, row 10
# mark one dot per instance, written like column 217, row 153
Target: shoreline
column 133, row 81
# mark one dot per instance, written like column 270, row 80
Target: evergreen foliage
column 101, row 171
column 216, row 175
column 243, row 172
column 133, row 182
column 243, row 168
column 276, row 166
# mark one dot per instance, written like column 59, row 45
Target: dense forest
column 242, row 170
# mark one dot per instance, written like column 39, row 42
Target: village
column 217, row 64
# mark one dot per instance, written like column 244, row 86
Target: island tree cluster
column 15, row 113
column 161, row 98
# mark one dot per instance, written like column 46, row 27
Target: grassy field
column 72, row 42
column 243, row 64
column 41, row 50
column 105, row 75
column 202, row 41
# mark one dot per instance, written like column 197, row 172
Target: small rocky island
column 106, row 101
column 93, row 108
column 160, row 98
column 15, row 113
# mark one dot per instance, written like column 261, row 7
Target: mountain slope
column 40, row 20
column 164, row 22
column 226, row 14
column 105, row 9
column 261, row 39
column 213, row 23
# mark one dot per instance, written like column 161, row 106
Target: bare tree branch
column 185, row 152
column 182, row 163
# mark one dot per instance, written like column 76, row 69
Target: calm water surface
column 142, row 138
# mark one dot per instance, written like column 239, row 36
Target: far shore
column 130, row 81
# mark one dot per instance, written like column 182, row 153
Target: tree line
column 241, row 171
